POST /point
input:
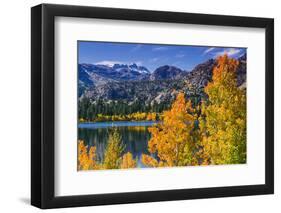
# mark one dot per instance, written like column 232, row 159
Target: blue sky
column 151, row 55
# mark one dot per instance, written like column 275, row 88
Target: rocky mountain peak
column 166, row 72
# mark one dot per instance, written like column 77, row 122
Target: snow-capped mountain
column 132, row 82
column 91, row 75
column 115, row 72
column 131, row 68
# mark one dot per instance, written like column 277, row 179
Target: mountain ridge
column 149, row 88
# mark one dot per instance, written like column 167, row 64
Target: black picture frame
column 43, row 102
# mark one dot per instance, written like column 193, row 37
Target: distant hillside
column 135, row 85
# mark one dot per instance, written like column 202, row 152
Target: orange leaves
column 170, row 139
column 128, row 161
column 136, row 116
column 151, row 116
column 224, row 80
column 92, row 153
column 211, row 132
column 113, row 158
column 149, row 161
column 223, row 121
column 225, row 66
column 86, row 160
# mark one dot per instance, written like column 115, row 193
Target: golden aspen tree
column 149, row 161
column 86, row 160
column 172, row 139
column 128, row 161
column 223, row 119
column 151, row 116
column 113, row 151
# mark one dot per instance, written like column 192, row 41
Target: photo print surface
column 158, row 105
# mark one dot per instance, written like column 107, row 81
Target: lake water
column 134, row 134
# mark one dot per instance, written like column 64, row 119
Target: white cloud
column 159, row 48
column 179, row 55
column 137, row 47
column 154, row 59
column 241, row 55
column 139, row 63
column 208, row 50
column 229, row 52
column 109, row 63
column 177, row 63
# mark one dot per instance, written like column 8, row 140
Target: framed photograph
column 139, row 106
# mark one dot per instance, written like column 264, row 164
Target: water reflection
column 134, row 137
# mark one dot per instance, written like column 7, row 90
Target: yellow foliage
column 128, row 161
column 172, row 139
column 151, row 116
column 113, row 158
column 178, row 140
column 137, row 128
column 137, row 116
column 81, row 120
column 86, row 160
column 149, row 161
column 113, row 151
column 223, row 120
